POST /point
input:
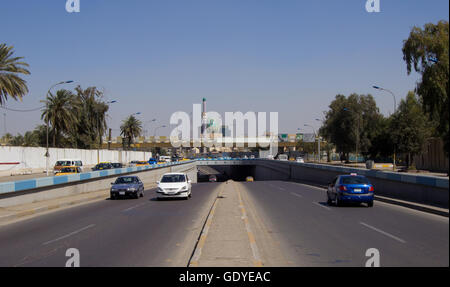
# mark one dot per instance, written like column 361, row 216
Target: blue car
column 351, row 188
column 152, row 161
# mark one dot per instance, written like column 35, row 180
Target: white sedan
column 174, row 185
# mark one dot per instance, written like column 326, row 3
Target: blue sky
column 161, row 56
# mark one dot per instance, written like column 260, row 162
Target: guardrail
column 426, row 180
column 22, row 185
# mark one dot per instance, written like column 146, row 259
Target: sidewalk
column 227, row 239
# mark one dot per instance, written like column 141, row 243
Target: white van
column 67, row 162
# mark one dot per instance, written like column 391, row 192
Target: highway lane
column 129, row 232
column 311, row 233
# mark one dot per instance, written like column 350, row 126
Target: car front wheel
column 370, row 204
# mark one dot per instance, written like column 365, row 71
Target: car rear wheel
column 370, row 204
column 336, row 201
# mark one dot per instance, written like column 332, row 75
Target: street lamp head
column 376, row 87
column 68, row 82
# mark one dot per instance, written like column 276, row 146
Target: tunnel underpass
column 226, row 172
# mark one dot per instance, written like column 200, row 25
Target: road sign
column 309, row 138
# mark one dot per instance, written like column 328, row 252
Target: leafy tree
column 6, row 139
column 382, row 145
column 17, row 140
column 130, row 129
column 409, row 127
column 426, row 50
column 61, row 112
column 351, row 122
column 92, row 118
column 11, row 84
column 31, row 138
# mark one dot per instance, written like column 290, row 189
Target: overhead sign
column 309, row 138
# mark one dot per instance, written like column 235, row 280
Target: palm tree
column 10, row 68
column 62, row 113
column 130, row 128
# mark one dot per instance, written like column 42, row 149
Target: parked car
column 127, row 186
column 117, row 165
column 66, row 170
column 174, row 185
column 282, row 157
column 67, row 162
column 102, row 166
column 351, row 188
column 212, row 178
column 249, row 179
column 299, row 159
column 152, row 161
column 142, row 163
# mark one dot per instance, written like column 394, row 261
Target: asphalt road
column 128, row 232
column 311, row 233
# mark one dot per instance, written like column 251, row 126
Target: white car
column 174, row 185
column 299, row 159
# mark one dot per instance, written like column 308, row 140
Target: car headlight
column 113, row 189
column 184, row 187
column 131, row 189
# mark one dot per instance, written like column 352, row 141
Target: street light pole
column 395, row 110
column 47, row 155
column 318, row 139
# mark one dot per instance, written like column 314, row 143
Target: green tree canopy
column 351, row 122
column 61, row 111
column 130, row 129
column 11, row 84
column 409, row 127
column 426, row 50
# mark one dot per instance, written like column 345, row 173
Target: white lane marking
column 277, row 187
column 383, row 232
column 295, row 194
column 68, row 235
column 310, row 186
column 323, row 206
column 133, row 207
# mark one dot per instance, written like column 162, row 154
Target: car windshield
column 173, row 178
column 354, row 180
column 122, row 180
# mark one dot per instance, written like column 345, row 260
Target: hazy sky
column 161, row 56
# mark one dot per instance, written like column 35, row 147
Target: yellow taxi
column 142, row 163
column 66, row 170
column 249, row 179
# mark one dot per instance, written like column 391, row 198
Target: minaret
column 204, row 122
column 204, row 119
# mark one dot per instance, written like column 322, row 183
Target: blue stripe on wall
column 24, row 184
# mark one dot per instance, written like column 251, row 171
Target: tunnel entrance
column 226, row 172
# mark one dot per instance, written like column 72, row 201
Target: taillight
column 342, row 188
column 371, row 189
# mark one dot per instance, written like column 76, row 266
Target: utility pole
column 109, row 139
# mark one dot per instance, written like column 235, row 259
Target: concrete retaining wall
column 33, row 157
column 55, row 187
column 430, row 190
